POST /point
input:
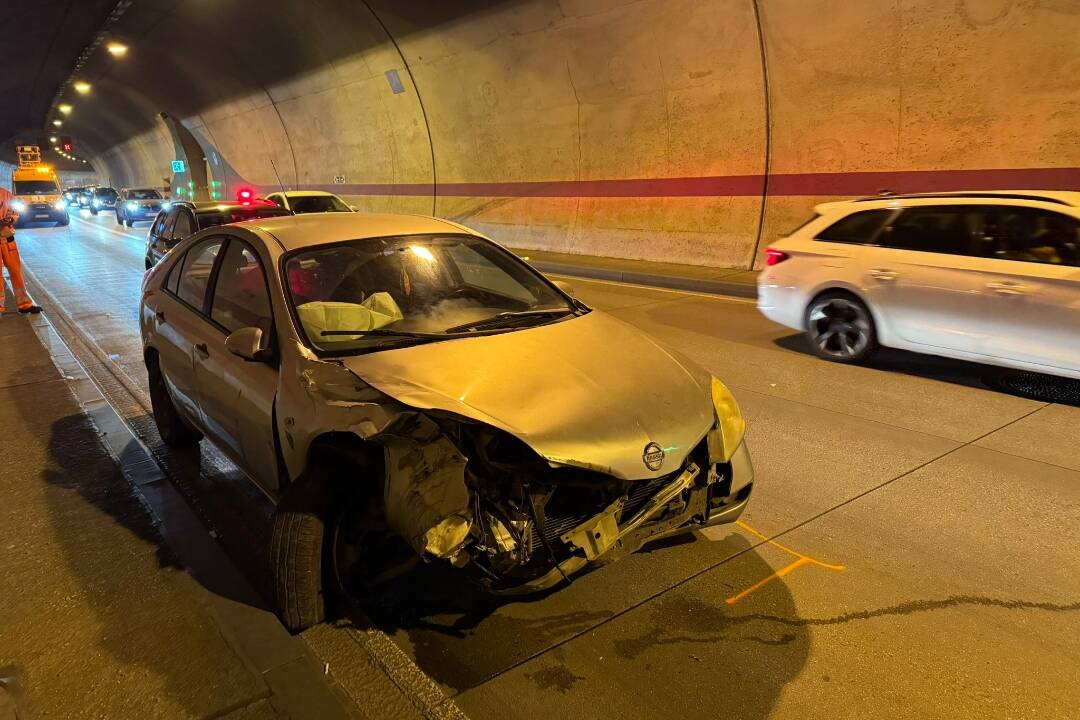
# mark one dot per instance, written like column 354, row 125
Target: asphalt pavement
column 909, row 551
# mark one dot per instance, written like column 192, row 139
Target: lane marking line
column 107, row 229
column 801, row 560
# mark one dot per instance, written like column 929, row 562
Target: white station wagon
column 992, row 277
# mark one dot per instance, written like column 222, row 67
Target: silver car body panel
column 561, row 389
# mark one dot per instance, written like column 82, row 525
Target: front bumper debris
column 716, row 499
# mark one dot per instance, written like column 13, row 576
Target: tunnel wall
column 639, row 129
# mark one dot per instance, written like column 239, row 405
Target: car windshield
column 227, row 215
column 35, row 187
column 144, row 195
column 317, row 204
column 105, row 192
column 416, row 287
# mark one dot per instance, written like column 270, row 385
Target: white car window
column 195, row 277
column 861, row 227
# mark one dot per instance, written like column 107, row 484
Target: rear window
column 105, row 192
column 36, row 187
column 144, row 195
column 861, row 227
column 234, row 215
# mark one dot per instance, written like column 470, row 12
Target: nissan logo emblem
column 653, row 457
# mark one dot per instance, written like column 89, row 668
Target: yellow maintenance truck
column 36, row 189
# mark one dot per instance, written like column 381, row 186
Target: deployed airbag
column 378, row 310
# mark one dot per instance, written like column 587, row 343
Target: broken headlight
column 730, row 426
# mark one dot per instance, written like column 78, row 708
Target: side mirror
column 248, row 343
column 354, row 208
column 565, row 287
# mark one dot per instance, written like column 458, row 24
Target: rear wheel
column 841, row 328
column 171, row 426
column 129, row 223
column 118, row 220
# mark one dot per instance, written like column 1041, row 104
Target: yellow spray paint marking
column 800, row 561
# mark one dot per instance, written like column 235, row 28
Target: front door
column 1032, row 289
column 237, row 395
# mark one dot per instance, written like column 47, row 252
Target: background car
column 388, row 381
column 135, row 204
column 71, row 196
column 104, row 198
column 86, row 197
column 309, row 201
column 183, row 219
column 992, row 277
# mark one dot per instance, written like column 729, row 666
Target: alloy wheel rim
column 839, row 327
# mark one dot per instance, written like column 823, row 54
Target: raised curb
column 672, row 282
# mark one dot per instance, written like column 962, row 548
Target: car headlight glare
column 730, row 427
column 97, row 203
column 18, row 206
column 132, row 206
column 60, row 205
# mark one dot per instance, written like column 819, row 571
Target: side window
column 859, row 228
column 1033, row 235
column 241, row 298
column 159, row 224
column 184, row 225
column 195, row 276
column 277, row 200
column 949, row 229
column 168, row 222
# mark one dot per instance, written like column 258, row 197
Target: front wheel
column 129, row 223
column 296, row 554
column 119, row 221
column 171, row 426
column 841, row 328
column 63, row 223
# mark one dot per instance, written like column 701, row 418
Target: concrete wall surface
column 677, row 130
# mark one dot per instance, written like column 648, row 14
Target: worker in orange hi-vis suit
column 9, row 257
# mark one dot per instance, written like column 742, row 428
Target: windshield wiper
column 385, row 333
column 507, row 317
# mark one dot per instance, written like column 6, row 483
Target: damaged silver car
column 406, row 390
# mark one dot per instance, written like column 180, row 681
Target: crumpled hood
column 590, row 392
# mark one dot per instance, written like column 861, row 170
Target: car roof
column 1068, row 198
column 299, row 231
column 304, row 193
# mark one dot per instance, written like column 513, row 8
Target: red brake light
column 244, row 195
column 774, row 256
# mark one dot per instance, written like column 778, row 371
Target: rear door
column 923, row 276
column 1032, row 288
column 160, row 231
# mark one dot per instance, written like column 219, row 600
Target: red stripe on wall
column 794, row 184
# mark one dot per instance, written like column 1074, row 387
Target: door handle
column 202, row 350
column 1008, row 288
column 884, row 274
column 160, row 315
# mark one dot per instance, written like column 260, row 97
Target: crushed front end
column 529, row 525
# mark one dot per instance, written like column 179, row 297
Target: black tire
column 840, row 328
column 129, row 223
column 93, row 211
column 173, row 430
column 63, row 223
column 297, row 554
column 118, row 220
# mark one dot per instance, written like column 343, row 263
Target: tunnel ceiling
column 42, row 41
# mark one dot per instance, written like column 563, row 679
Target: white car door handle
column 884, row 274
column 1008, row 288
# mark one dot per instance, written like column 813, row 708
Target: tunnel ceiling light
column 82, row 87
column 57, row 123
column 117, row 49
column 54, row 139
column 64, row 108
